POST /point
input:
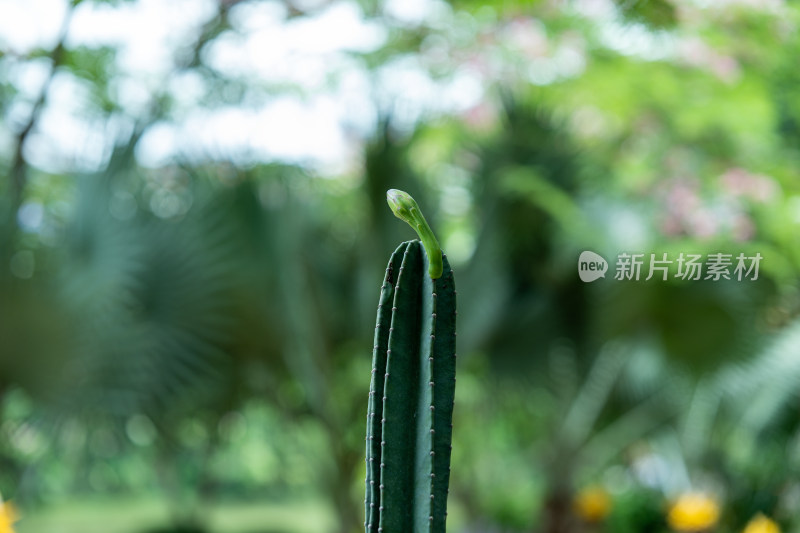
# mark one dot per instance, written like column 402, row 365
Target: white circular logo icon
column 591, row 266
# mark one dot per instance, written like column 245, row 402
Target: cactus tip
column 405, row 208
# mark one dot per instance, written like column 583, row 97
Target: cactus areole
column 410, row 412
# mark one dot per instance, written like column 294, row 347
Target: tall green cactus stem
column 409, row 417
column 405, row 208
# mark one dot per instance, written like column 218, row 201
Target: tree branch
column 19, row 167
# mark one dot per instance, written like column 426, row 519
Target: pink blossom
column 738, row 182
column 703, row 224
column 743, row 227
column 528, row 35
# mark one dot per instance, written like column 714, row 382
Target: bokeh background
column 194, row 229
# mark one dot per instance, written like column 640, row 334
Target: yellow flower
column 592, row 504
column 761, row 524
column 7, row 517
column 693, row 512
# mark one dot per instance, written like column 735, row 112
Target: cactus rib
column 375, row 409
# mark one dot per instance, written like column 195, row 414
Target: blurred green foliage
column 197, row 333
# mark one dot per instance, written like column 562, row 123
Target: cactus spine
column 409, row 418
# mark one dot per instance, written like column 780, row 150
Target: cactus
column 409, row 417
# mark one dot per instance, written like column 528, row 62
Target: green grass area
column 137, row 516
